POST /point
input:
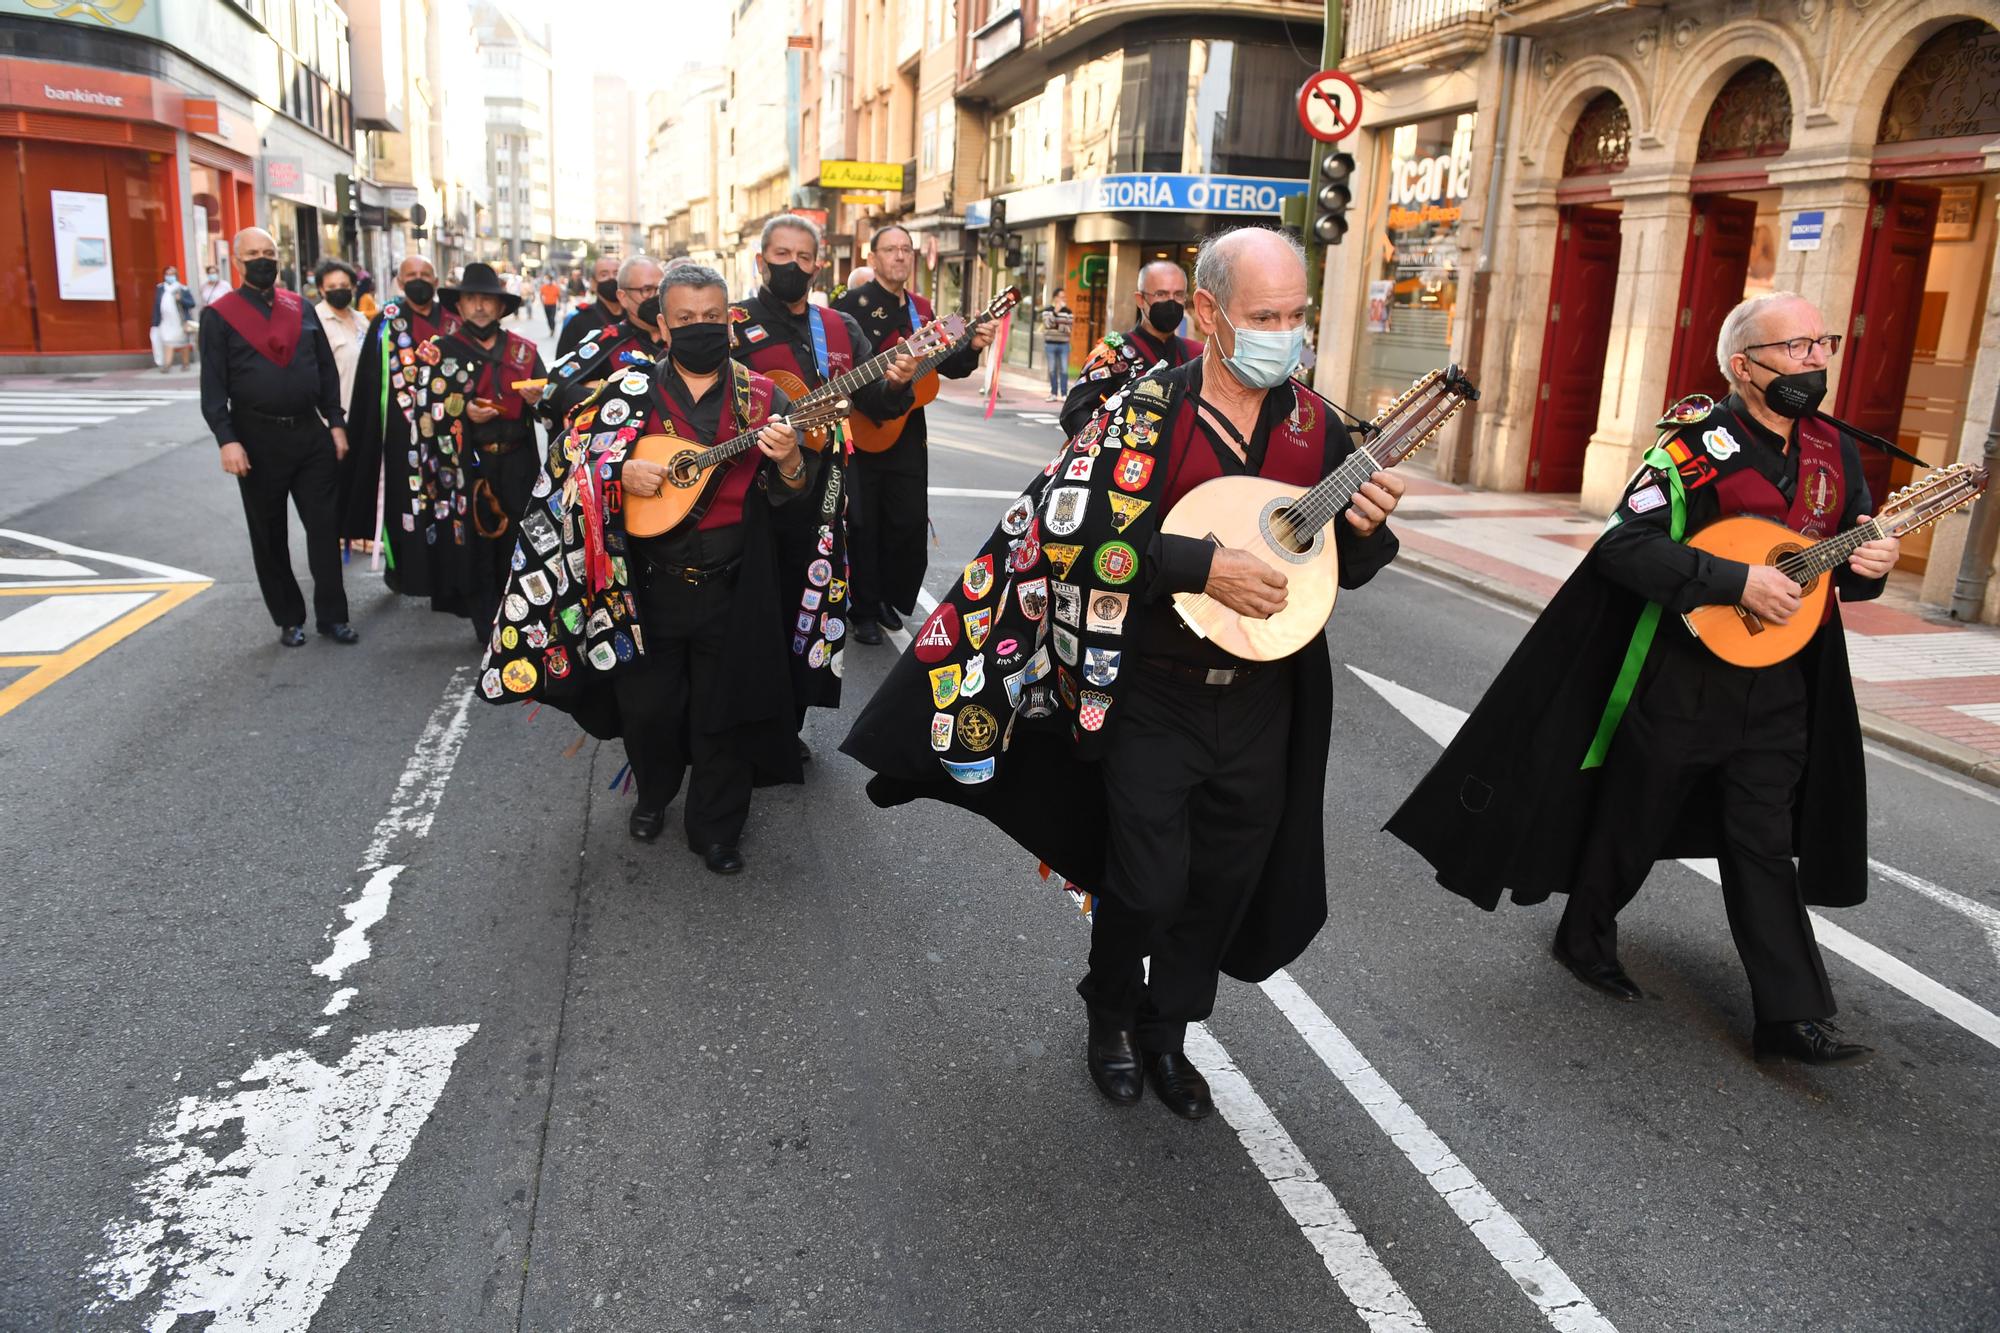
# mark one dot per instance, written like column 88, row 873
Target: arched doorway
column 1578, row 330
column 1926, row 259
column 1733, row 234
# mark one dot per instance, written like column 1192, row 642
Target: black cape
column 1508, row 804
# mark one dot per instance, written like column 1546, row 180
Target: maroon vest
column 275, row 335
column 1295, row 453
column 726, row 507
column 773, row 356
column 1817, row 501
column 920, row 314
column 1172, row 348
column 496, row 384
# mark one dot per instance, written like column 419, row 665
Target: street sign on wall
column 861, row 175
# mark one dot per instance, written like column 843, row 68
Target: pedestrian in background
column 173, row 317
column 271, row 394
column 212, row 286
column 1056, row 323
column 344, row 324
column 364, row 299
column 551, row 299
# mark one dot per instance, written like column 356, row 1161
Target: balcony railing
column 1375, row 25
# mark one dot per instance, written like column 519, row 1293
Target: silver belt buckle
column 1221, row 676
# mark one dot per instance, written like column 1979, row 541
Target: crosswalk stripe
column 54, row 623
column 39, row 420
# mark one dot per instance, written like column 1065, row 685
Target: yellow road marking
column 40, row 589
column 53, row 667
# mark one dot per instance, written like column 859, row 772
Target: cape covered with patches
column 1508, row 804
column 1003, row 701
column 569, row 619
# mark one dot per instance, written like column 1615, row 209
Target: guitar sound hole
column 683, row 471
column 1283, row 534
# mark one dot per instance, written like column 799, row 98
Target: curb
column 1962, row 759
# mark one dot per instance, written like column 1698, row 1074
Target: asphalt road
column 330, row 999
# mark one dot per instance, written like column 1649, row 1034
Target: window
column 927, row 150
column 947, row 153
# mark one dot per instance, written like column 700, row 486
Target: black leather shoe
column 293, row 636
column 722, row 858
column 340, row 633
column 1113, row 1061
column 868, row 632
column 887, row 617
column 1179, row 1084
column 1814, row 1041
column 644, row 824
column 1607, row 977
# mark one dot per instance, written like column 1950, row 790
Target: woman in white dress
column 173, row 310
column 345, row 328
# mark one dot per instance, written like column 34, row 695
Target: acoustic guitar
column 690, row 466
column 928, row 339
column 872, row 437
column 1739, row 635
column 1286, row 528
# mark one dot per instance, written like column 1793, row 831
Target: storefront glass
column 1423, row 178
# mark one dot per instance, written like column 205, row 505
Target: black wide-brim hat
column 478, row 280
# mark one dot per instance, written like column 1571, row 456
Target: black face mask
column 260, row 273
column 340, row 298
column 699, row 348
column 788, row 282
column 649, row 315
column 420, row 291
column 607, row 291
column 1165, row 316
column 482, row 332
column 1795, row 395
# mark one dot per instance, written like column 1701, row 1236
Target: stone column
column 1518, row 317
column 1645, row 318
column 1827, row 276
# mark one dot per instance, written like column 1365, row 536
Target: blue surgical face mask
column 1264, row 358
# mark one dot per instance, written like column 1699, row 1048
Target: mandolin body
column 1735, row 634
column 651, row 515
column 1245, row 513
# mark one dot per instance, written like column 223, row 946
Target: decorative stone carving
column 1552, row 60
column 1644, row 42
column 1684, row 31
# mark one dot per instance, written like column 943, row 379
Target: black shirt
column 233, row 372
column 689, row 545
column 880, row 314
column 587, row 319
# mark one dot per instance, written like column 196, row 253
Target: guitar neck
column 1807, row 565
column 1406, row 427
column 730, row 448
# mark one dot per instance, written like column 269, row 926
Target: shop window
column 1751, row 116
column 1950, row 88
column 1152, row 108
column 1602, row 139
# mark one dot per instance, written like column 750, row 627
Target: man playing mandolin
column 1137, row 758
column 1613, row 738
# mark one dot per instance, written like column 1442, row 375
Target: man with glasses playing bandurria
column 631, row 340
column 1161, row 302
column 1612, row 738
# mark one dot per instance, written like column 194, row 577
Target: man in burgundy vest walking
column 271, row 394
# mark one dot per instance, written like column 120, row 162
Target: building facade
column 1646, row 170
column 517, row 78
column 140, row 140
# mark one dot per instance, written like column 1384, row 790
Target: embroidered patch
column 937, row 636
column 1091, row 710
column 1107, row 612
column 1100, row 666
column 977, row 728
column 974, row 771
column 1061, row 557
column 978, row 578
column 978, row 624
column 975, row 675
column 1069, row 605
column 1116, row 562
column 1720, row 443
column 1645, row 500
column 1133, row 471
column 1015, row 521
column 1033, row 595
column 615, row 412
column 1125, row 508
column 941, row 729
column 1066, row 507
column 1065, row 646
column 945, row 681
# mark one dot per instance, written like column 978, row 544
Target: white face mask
column 1264, row 358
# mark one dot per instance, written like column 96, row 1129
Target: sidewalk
column 1925, row 684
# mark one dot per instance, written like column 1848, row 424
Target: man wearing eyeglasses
column 1613, row 739
column 630, row 340
column 1118, row 358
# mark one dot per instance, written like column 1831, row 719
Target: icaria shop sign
column 1430, row 189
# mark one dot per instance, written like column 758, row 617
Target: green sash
column 1649, row 619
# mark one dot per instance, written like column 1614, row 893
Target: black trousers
column 1733, row 740
column 295, row 464
column 550, row 311
column 888, row 523
column 686, row 631
column 1195, row 778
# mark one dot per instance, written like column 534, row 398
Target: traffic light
column 1335, row 170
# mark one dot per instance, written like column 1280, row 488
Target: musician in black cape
column 1056, row 692
column 1565, row 780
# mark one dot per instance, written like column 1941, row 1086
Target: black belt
column 289, row 423
column 689, row 574
column 1188, row 673
column 499, row 447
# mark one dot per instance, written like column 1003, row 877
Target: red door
column 1718, row 262
column 1888, row 298
column 1573, row 346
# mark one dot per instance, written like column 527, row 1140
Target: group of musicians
column 1181, row 786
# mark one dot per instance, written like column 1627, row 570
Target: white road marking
column 1986, row 918
column 926, row 601
column 1984, row 793
column 421, row 785
column 1539, row 1277
column 46, row 569
column 52, row 624
column 1440, row 721
column 128, row 569
column 256, row 1236
column 973, row 493
column 1889, row 657
column 351, row 945
column 1353, row 1262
